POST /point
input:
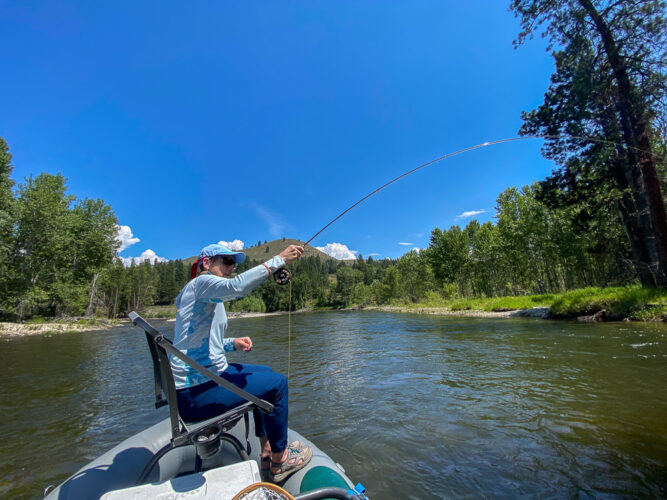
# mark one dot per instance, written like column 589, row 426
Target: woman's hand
column 243, row 344
column 291, row 253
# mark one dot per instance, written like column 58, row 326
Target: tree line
column 531, row 248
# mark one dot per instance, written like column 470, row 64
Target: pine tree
column 604, row 112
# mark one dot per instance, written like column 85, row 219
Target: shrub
column 251, row 303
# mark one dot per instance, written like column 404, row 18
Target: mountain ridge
column 264, row 251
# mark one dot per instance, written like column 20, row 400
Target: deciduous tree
column 7, row 225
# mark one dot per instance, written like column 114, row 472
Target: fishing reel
column 282, row 276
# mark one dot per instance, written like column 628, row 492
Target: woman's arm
column 213, row 287
column 216, row 288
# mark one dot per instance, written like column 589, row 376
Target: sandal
column 266, row 461
column 297, row 459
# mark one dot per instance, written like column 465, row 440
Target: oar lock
column 282, row 276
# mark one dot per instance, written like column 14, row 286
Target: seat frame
column 184, row 433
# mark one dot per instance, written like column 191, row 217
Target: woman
column 199, row 332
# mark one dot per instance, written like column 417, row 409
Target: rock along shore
column 8, row 329
column 535, row 312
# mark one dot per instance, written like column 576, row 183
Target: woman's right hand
column 291, row 253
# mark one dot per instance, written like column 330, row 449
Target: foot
column 266, row 453
column 292, row 460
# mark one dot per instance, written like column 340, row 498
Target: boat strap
column 166, row 344
column 246, row 421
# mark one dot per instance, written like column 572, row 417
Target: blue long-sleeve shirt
column 201, row 320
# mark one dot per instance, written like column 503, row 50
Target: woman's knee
column 280, row 382
column 246, row 368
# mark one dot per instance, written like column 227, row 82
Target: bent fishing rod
column 283, row 276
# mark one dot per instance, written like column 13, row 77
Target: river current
column 414, row 407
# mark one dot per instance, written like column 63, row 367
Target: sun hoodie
column 201, row 320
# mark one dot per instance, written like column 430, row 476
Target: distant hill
column 260, row 253
column 276, row 246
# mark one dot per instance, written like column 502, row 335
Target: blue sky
column 211, row 121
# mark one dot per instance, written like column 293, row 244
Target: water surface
column 412, row 406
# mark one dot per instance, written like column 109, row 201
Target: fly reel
column 282, row 276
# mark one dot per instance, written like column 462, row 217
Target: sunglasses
column 229, row 261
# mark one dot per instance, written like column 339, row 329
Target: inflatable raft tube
column 121, row 467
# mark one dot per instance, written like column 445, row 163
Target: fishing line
column 465, row 150
column 289, row 330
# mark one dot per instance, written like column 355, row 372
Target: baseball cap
column 213, row 250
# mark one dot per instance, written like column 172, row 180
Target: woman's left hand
column 243, row 344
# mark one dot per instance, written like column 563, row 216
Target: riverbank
column 8, row 329
column 537, row 312
column 632, row 303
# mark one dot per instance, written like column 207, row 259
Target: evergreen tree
column 603, row 113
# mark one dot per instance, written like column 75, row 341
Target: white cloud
column 146, row 256
column 405, row 243
column 235, row 245
column 414, row 249
column 374, row 254
column 470, row 213
column 338, row 251
column 126, row 238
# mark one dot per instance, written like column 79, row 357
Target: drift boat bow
column 215, row 458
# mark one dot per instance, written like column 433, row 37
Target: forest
column 529, row 249
column 598, row 220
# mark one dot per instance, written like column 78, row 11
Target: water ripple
column 413, row 406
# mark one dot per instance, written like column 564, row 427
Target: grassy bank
column 162, row 312
column 606, row 304
column 610, row 304
column 617, row 303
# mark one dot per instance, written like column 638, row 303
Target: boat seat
column 204, row 435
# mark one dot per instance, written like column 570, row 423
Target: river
column 414, row 407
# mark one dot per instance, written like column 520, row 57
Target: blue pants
column 209, row 399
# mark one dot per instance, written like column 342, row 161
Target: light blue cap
column 217, row 249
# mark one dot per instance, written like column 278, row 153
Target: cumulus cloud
column 235, row 245
column 126, row 237
column 405, row 243
column 470, row 213
column 338, row 251
column 146, row 256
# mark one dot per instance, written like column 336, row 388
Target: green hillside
column 265, row 251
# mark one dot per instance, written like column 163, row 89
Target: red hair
column 193, row 269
